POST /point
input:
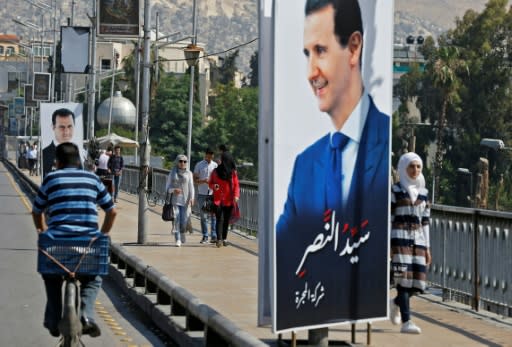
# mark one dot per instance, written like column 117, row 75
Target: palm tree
column 130, row 68
column 446, row 66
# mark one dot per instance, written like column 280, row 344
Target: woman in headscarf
column 410, row 240
column 180, row 183
column 226, row 192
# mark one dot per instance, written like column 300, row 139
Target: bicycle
column 85, row 256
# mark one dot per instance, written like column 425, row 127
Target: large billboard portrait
column 332, row 103
column 118, row 18
column 60, row 122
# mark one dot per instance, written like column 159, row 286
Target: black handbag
column 167, row 209
column 208, row 205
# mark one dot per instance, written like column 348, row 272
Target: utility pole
column 69, row 80
column 157, row 77
column 137, row 97
column 114, row 67
column 145, row 146
column 54, row 49
column 42, row 42
column 91, row 105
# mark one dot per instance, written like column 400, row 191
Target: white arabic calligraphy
column 301, row 298
column 349, row 249
column 321, row 240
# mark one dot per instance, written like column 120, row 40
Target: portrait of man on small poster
column 60, row 122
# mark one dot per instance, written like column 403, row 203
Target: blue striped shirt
column 69, row 196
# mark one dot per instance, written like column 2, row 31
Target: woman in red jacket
column 226, row 191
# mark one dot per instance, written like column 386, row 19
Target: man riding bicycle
column 69, row 197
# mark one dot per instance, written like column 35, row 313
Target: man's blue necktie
column 334, row 176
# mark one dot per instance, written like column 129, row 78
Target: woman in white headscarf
column 181, row 184
column 410, row 239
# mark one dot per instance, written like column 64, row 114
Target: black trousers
column 223, row 214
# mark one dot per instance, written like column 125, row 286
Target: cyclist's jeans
column 89, row 288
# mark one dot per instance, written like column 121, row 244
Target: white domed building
column 123, row 111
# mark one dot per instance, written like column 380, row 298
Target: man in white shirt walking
column 202, row 172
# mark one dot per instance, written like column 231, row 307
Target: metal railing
column 466, row 244
column 472, row 257
column 248, row 202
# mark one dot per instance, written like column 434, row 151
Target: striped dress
column 409, row 237
column 69, row 196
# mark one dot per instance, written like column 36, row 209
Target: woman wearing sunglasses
column 180, row 184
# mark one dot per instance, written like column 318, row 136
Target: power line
column 216, row 53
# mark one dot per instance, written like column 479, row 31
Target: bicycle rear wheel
column 70, row 326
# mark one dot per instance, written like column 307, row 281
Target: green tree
column 466, row 107
column 225, row 73
column 253, row 75
column 444, row 75
column 130, row 69
column 168, row 119
column 234, row 113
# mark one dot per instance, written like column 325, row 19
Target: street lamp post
column 114, row 67
column 33, row 26
column 45, row 7
column 191, row 55
column 496, row 145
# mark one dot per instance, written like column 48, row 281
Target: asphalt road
column 22, row 296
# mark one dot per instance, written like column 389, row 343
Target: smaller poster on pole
column 19, row 106
column 41, row 90
column 11, row 110
column 29, row 101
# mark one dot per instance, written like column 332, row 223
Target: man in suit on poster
column 334, row 225
column 63, row 125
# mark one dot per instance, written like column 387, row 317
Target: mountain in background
column 223, row 25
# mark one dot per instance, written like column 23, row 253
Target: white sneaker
column 178, row 243
column 394, row 312
column 410, row 328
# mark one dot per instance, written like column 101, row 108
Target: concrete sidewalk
column 226, row 279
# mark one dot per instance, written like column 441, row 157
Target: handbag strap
column 168, row 198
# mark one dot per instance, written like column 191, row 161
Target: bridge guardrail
column 217, row 329
column 460, row 255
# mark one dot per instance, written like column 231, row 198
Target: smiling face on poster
column 332, row 100
column 60, row 122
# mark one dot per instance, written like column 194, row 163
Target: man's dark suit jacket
column 48, row 158
column 330, row 287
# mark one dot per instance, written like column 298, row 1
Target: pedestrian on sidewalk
column 32, row 160
column 410, row 239
column 180, row 183
column 103, row 169
column 226, row 191
column 116, row 164
column 202, row 173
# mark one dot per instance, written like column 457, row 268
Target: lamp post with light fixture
column 191, row 55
